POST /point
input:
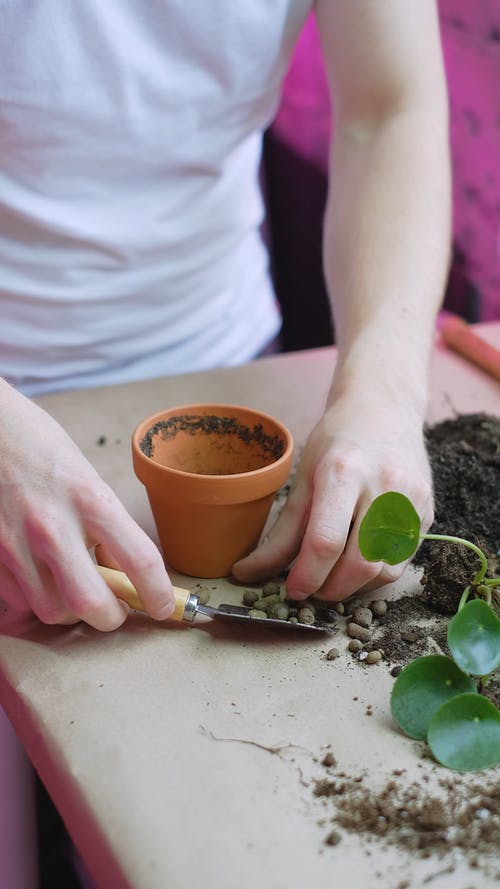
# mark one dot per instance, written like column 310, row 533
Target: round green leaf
column 421, row 688
column 390, row 529
column 474, row 638
column 464, row 734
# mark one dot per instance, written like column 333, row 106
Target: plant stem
column 479, row 553
column 463, row 599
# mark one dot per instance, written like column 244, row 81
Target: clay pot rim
column 216, row 408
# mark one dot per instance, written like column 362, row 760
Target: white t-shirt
column 130, row 139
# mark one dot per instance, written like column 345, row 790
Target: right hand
column 54, row 508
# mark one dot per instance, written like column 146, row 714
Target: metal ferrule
column 191, row 607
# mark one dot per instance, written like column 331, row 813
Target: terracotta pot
column 211, row 472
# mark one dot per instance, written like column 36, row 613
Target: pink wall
column 471, row 43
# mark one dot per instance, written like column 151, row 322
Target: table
column 125, row 728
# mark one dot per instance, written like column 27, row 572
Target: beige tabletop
column 153, row 740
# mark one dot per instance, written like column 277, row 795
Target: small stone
column 332, row 654
column 267, row 602
column 250, row 597
column 362, row 656
column 355, row 645
column 362, row 616
column 355, row 631
column 395, row 671
column 339, row 607
column 257, row 613
column 333, row 838
column 271, row 588
column 379, row 608
column 373, row 657
column 279, row 611
column 306, row 616
column 293, row 619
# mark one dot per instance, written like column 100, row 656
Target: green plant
column 438, row 698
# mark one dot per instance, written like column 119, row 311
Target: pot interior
column 212, row 444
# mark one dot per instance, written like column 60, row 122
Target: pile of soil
column 464, row 453
column 461, row 814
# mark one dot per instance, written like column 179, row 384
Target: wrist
column 380, row 385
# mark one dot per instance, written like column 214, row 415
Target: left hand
column 358, row 450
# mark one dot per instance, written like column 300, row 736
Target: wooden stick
column 457, row 334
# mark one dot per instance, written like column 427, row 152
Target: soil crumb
column 457, row 815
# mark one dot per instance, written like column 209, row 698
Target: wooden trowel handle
column 124, row 589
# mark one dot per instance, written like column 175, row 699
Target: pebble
column 279, row 611
column 373, row 657
column 332, row 654
column 250, row 597
column 271, row 588
column 306, row 616
column 355, row 645
column 379, row 608
column 256, row 612
column 396, row 671
column 355, row 631
column 362, row 616
column 267, row 602
column 339, row 607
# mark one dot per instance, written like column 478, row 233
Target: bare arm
column 388, row 212
column 386, row 248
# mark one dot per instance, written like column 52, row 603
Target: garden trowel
column 187, row 605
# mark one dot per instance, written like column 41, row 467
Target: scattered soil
column 459, row 815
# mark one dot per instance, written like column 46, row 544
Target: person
column 130, row 140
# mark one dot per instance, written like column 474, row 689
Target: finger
column 326, row 534
column 61, row 580
column 86, row 593
column 124, row 545
column 11, row 592
column 388, row 574
column 352, row 573
column 281, row 544
column 41, row 594
column 30, row 578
